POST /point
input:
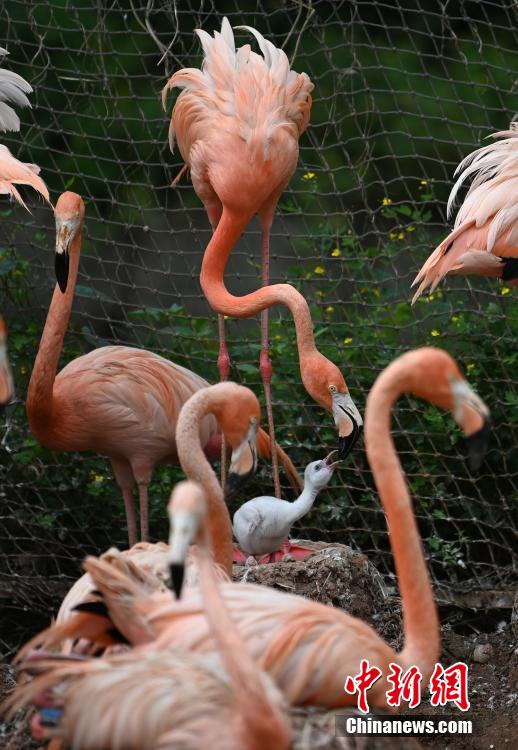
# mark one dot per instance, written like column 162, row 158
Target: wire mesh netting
column 403, row 91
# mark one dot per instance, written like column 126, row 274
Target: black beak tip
column 477, row 445
column 177, row 571
column 346, row 444
column 61, row 265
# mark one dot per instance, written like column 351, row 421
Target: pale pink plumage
column 484, row 241
column 168, row 700
column 6, row 378
column 307, row 647
column 237, row 123
column 13, row 89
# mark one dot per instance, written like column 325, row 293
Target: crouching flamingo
column 118, row 401
column 308, row 648
column 484, row 241
column 167, row 700
column 237, row 123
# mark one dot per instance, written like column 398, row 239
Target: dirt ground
column 340, row 577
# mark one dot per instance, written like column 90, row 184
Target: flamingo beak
column 184, row 528
column 244, row 460
column 65, row 232
column 327, row 460
column 348, row 421
column 473, row 417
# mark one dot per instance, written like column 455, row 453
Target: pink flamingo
column 308, row 648
column 14, row 89
column 237, row 123
column 484, row 241
column 6, row 378
column 139, row 701
column 118, row 401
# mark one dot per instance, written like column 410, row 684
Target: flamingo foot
column 250, row 561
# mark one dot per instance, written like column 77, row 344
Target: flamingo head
column 186, row 510
column 69, row 214
column 326, row 385
column 435, row 376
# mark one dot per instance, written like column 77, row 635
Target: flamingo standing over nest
column 484, row 241
column 13, row 89
column 163, row 701
column 118, row 401
column 238, row 123
column 308, row 648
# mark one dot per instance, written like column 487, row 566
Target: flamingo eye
column 332, row 388
column 318, row 467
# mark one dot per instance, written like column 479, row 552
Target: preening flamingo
column 308, row 648
column 116, row 400
column 484, row 241
column 164, row 701
column 14, row 89
column 262, row 524
column 237, row 123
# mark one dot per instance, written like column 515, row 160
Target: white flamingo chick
column 262, row 524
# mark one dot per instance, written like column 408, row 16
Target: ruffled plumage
column 253, row 94
column 484, row 241
column 13, row 88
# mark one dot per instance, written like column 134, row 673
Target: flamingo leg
column 144, row 512
column 265, row 365
column 224, row 370
column 125, row 479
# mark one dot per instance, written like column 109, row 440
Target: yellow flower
column 330, row 309
column 387, row 201
column 225, row 317
column 454, row 318
column 23, row 369
column 320, row 270
column 411, row 228
column 277, row 337
column 470, row 366
column 320, row 293
column 505, row 290
column 393, row 235
column 439, row 293
column 431, row 298
column 424, row 182
column 99, row 478
column 376, row 291
column 401, row 236
column 336, row 253
column 435, row 332
column 309, row 176
column 348, row 340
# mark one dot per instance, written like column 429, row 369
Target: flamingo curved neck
column 196, row 467
column 258, row 717
column 420, row 618
column 41, row 385
column 212, row 281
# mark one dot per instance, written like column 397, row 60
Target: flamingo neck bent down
column 261, row 723
column 40, row 406
column 226, row 235
column 196, row 467
column 420, row 618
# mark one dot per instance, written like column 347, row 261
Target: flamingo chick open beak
column 329, row 463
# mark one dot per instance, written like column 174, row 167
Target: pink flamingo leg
column 144, row 511
column 224, row 371
column 265, row 365
column 125, row 480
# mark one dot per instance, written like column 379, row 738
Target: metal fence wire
column 403, row 91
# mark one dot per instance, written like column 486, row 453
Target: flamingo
column 163, row 701
column 308, row 648
column 13, row 88
column 118, row 401
column 6, row 378
column 262, row 524
column 484, row 241
column 237, row 123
